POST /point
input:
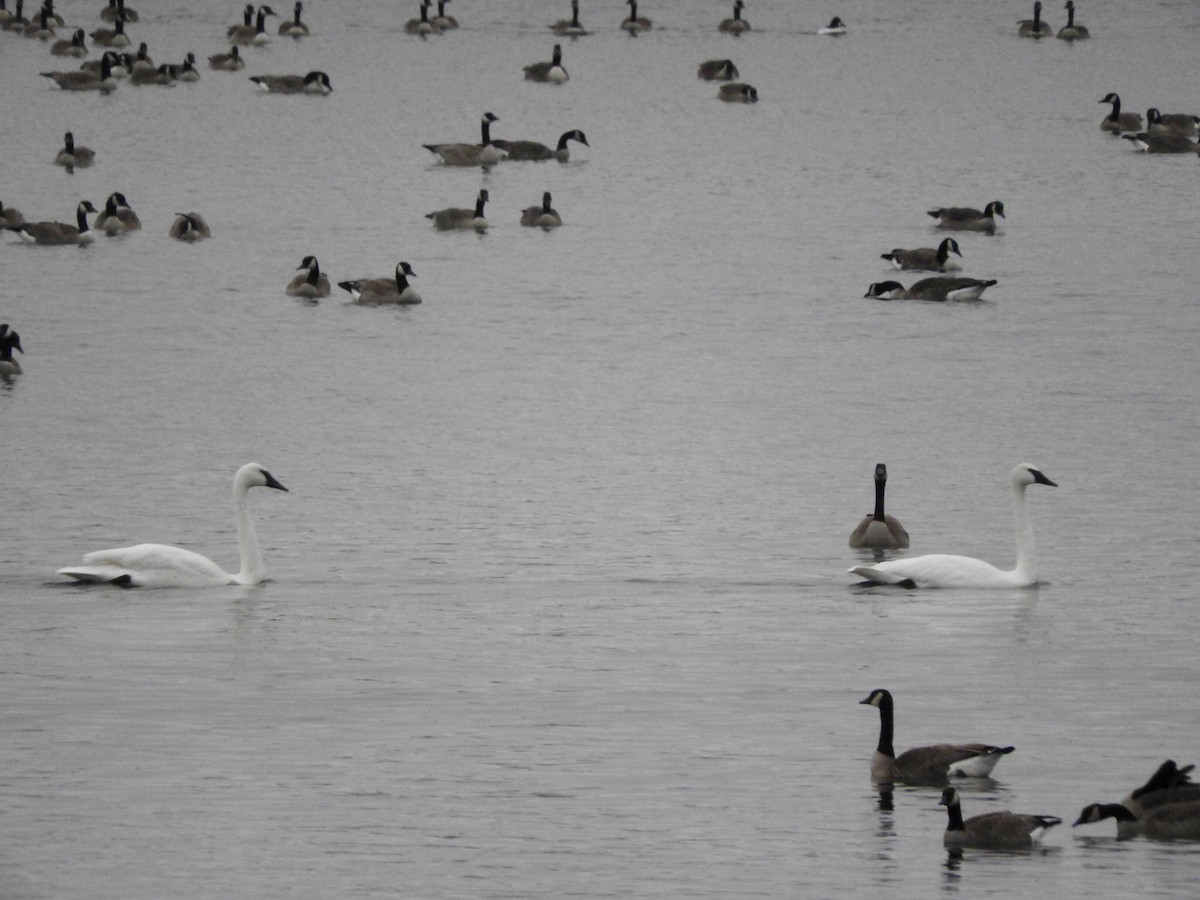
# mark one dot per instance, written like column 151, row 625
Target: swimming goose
column 486, row 153
column 992, row 831
column 9, row 341
column 10, row 216
column 255, row 34
column 295, row 28
column 926, row 259
column 142, row 60
column 227, row 62
column 1117, row 121
column 1171, row 123
column 1169, row 786
column 313, row 83
column 166, row 74
column 380, row 291
column 189, row 227
column 717, row 70
column 5, row 15
column 877, row 530
column 76, row 46
column 934, row 764
column 943, row 570
column 836, row 27
column 111, row 37
column 187, row 70
column 1035, row 27
column 964, row 218
column 72, row 155
column 16, row 21
column 736, row 92
column 53, row 233
column 42, row 27
column 571, row 26
column 532, row 150
column 247, row 20
column 160, row 565
column 422, row 26
column 548, row 72
column 117, row 9
column 117, row 217
column 312, row 284
column 442, row 20
column 1071, row 31
column 454, row 218
column 634, row 23
column 737, row 24
column 544, row 216
column 1170, row 822
column 1162, row 142
column 939, row 289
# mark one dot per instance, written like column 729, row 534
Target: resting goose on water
column 111, row 37
column 57, row 233
column 1071, row 31
column 717, row 70
column 312, row 284
column 965, row 218
column 9, row 341
column 485, row 153
column 443, row 20
column 544, row 216
column 933, row 764
column 10, row 216
column 1144, row 811
column 15, row 20
column 315, row 82
column 454, row 218
column 926, row 259
column 117, row 10
column 533, row 151
column 548, row 72
column 1035, row 27
column 877, row 530
column 570, row 27
column 939, row 289
column 634, row 23
column 836, row 28
column 1171, row 123
column 227, row 62
column 86, row 80
column 1117, row 121
column 1163, row 141
column 117, row 217
column 992, row 831
column 73, row 155
column 294, row 28
column 421, row 26
column 384, row 291
column 736, row 92
column 256, row 34
column 737, row 24
column 189, row 227
column 76, row 46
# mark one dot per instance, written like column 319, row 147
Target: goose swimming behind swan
column 161, row 565
column 879, row 531
column 945, row 570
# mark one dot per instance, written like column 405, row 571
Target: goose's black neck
column 881, row 478
column 546, row 202
column 886, row 727
column 954, row 813
column 487, row 132
column 1070, row 15
column 81, row 218
column 479, row 202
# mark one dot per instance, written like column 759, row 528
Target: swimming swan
column 160, row 565
column 943, row 570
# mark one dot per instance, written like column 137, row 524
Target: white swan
column 160, row 565
column 943, row 570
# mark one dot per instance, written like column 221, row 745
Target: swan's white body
column 944, row 570
column 161, row 565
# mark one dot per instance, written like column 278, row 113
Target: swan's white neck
column 252, row 571
column 1026, row 570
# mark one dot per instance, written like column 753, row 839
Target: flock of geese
column 1166, row 807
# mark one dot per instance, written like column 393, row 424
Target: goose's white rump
column 943, row 570
column 161, row 565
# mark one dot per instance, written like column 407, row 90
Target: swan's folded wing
column 148, row 565
column 878, row 575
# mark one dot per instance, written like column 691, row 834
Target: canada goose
column 454, row 217
column 16, row 20
column 934, row 764
column 570, row 27
column 939, row 289
column 1162, row 142
column 737, row 24
column 1170, row 822
column 1071, row 31
column 76, row 46
column 992, row 831
column 1035, row 27
column 5, row 15
column 161, row 565
column 166, row 75
column 247, row 20
column 1117, row 121
column 548, row 72
column 312, row 284
column 187, row 70
column 544, row 216
column 443, row 20
column 877, row 530
column 380, row 291
column 117, row 9
column 9, row 341
column 1171, row 123
column 926, row 259
column 10, row 216
column 634, row 23
column 117, row 217
column 142, row 60
column 313, row 83
column 73, row 156
column 532, row 150
column 42, row 27
column 294, row 28
column 111, row 37
column 55, row 233
column 485, row 153
column 944, row 570
column 190, row 227
column 255, row 34
column 717, row 70
column 422, row 26
column 836, row 27
column 964, row 218
column 1169, row 786
column 736, row 92
column 227, row 62
column 85, row 79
